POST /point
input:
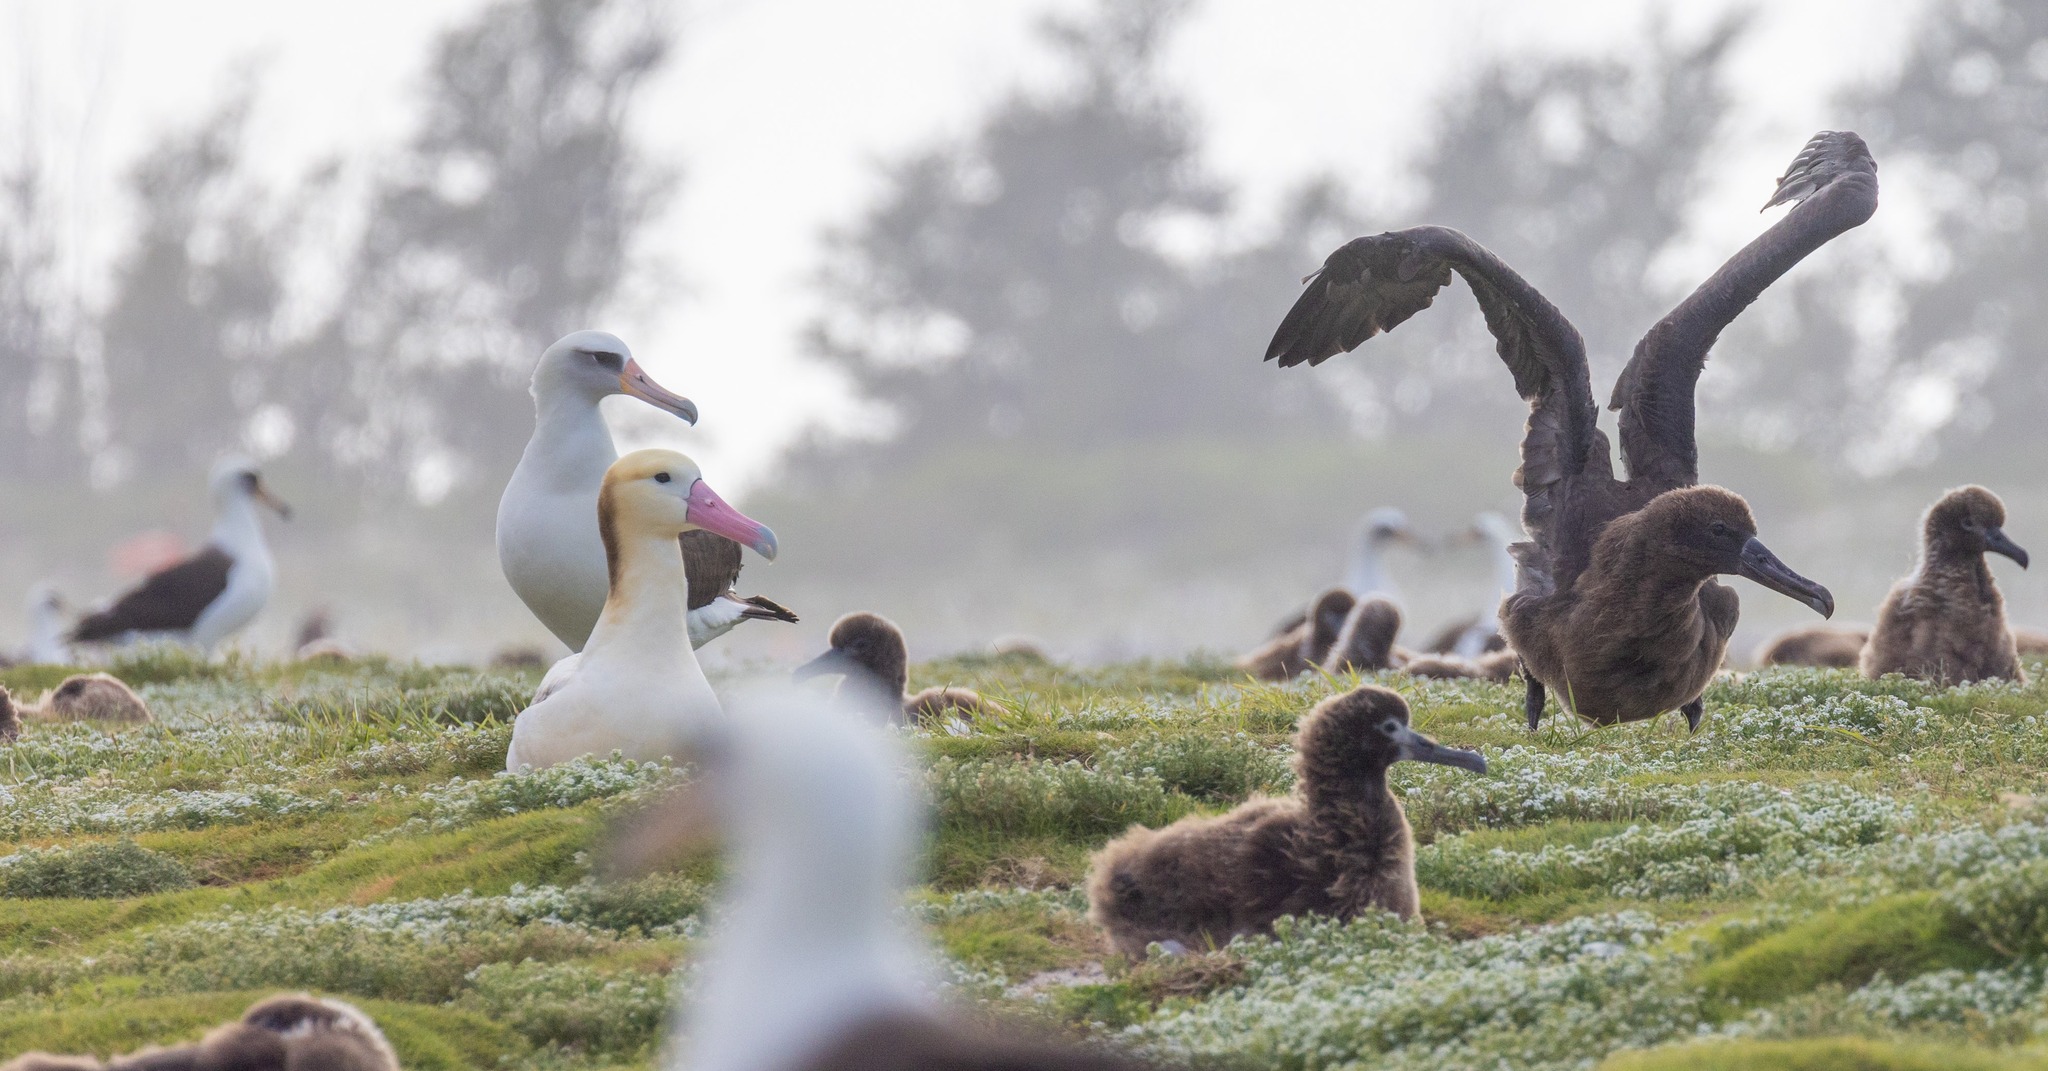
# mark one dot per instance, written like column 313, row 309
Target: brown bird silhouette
column 1339, row 846
column 1946, row 622
column 1616, row 607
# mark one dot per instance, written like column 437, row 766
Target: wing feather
column 170, row 600
column 1833, row 184
column 711, row 564
column 1373, row 284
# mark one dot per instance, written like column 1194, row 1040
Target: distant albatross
column 213, row 594
column 1616, row 607
column 548, row 544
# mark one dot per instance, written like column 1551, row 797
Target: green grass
column 1834, row 874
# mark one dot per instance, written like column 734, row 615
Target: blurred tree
column 1578, row 172
column 1960, row 361
column 188, row 325
column 507, row 221
column 40, row 412
column 1056, row 277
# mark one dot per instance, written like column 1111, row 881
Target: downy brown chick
column 92, row 697
column 869, row 652
column 1366, row 642
column 1946, row 621
column 1498, row 666
column 1825, row 646
column 292, row 1032
column 1305, row 643
column 1647, row 624
column 1338, row 846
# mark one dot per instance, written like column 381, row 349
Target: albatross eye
column 1391, row 726
column 1720, row 528
column 661, row 477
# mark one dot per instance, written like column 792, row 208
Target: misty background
column 972, row 297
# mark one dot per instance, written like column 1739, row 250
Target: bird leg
column 1693, row 712
column 1532, row 700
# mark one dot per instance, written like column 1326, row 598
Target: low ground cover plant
column 1833, row 872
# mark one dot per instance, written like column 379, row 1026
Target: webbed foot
column 1532, row 699
column 1694, row 711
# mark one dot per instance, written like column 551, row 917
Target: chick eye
column 1720, row 528
column 1390, row 726
column 661, row 477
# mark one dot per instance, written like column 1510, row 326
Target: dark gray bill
column 1997, row 541
column 1762, row 566
column 1416, row 747
column 832, row 661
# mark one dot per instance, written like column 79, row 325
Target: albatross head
column 1711, row 531
column 1969, row 521
column 662, row 492
column 236, row 477
column 595, row 365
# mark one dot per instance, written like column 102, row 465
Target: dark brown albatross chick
column 1825, row 646
column 292, row 1032
column 1303, row 643
column 1338, row 846
column 1946, row 622
column 1366, row 642
column 868, row 650
column 1647, row 625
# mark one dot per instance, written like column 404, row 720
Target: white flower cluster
column 465, row 800
column 1388, row 995
column 1723, row 834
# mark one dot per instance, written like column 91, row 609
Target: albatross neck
column 571, row 447
column 646, row 613
column 237, row 529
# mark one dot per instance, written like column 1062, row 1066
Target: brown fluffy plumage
column 1946, row 621
column 92, row 697
column 1646, row 625
column 868, row 650
column 1366, row 642
column 1826, row 646
column 1572, row 496
column 1498, row 666
column 10, row 718
column 1338, row 846
column 292, row 1032
column 1305, row 640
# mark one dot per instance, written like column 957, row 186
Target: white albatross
column 811, row 964
column 216, row 592
column 548, row 544
column 637, row 688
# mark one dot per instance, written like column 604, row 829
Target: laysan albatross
column 212, row 594
column 548, row 544
column 1616, row 606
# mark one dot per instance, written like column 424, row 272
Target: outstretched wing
column 711, row 564
column 1833, row 184
column 170, row 600
column 1372, row 284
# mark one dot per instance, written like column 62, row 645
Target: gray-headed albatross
column 548, row 544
